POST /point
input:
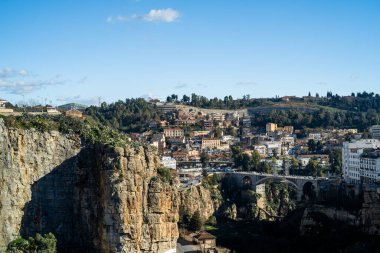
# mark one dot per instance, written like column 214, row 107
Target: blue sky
column 78, row 50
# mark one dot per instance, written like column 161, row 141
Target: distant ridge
column 70, row 106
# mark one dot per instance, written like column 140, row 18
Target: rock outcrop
column 199, row 198
column 93, row 198
column 370, row 211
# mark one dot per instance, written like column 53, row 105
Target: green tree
column 218, row 132
column 196, row 222
column 38, row 244
column 312, row 145
column 294, row 163
column 255, row 160
column 185, row 99
column 335, row 157
column 205, row 158
column 312, row 168
column 169, row 99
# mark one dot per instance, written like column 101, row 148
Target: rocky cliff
column 93, row 198
column 207, row 201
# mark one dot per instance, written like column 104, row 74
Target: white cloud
column 157, row 16
column 162, row 15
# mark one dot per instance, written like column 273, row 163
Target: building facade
column 375, row 131
column 210, row 143
column 355, row 159
column 173, row 132
column 169, row 162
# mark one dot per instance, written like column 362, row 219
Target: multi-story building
column 261, row 149
column 173, row 132
column 273, row 147
column 353, row 161
column 210, row 143
column 218, row 116
column 169, row 162
column 246, row 123
column 375, row 131
column 166, row 108
column 370, row 165
column 271, row 127
column 159, row 141
column 208, row 124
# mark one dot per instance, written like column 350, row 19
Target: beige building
column 73, row 113
column 271, row 127
column 174, row 132
column 210, row 143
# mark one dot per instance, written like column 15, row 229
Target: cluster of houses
column 186, row 137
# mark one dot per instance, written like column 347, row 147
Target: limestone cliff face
column 202, row 199
column 370, row 211
column 94, row 199
column 367, row 217
column 140, row 211
column 25, row 157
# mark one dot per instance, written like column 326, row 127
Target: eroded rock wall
column 199, row 198
column 94, row 199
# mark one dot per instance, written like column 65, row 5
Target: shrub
column 38, row 244
column 196, row 222
column 165, row 174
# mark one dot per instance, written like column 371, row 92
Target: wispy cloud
column 321, row 83
column 82, row 80
column 246, row 83
column 202, row 85
column 78, row 99
column 11, row 72
column 353, row 78
column 155, row 15
column 20, row 81
column 148, row 97
column 180, row 86
column 19, row 87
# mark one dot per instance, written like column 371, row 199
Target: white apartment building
column 169, row 162
column 370, row 165
column 261, row 149
column 375, row 131
column 273, row 146
column 353, row 163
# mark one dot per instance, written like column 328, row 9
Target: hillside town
column 196, row 144
column 193, row 142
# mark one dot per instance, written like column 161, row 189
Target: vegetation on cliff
column 38, row 244
column 89, row 129
column 280, row 198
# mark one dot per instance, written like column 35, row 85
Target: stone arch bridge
column 302, row 184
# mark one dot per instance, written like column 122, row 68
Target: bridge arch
column 309, row 191
column 277, row 179
column 247, row 182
